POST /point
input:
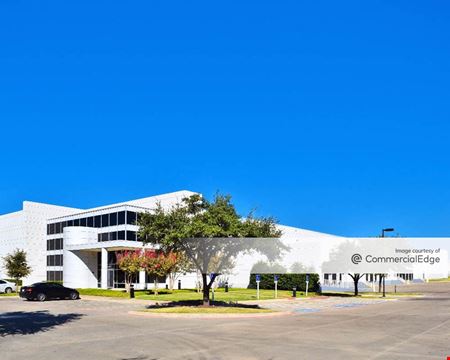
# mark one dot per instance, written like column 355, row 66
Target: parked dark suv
column 48, row 290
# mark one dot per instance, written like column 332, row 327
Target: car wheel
column 73, row 295
column 8, row 290
column 41, row 297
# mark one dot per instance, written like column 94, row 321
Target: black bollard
column 131, row 291
column 179, row 284
column 226, row 286
column 294, row 292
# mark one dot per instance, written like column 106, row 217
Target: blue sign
column 307, row 278
column 258, row 277
column 275, row 278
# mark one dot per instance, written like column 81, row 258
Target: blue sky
column 332, row 116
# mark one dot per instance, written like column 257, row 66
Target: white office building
column 78, row 246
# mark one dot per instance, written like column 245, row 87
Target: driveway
column 414, row 328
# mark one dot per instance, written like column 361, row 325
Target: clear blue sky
column 332, row 116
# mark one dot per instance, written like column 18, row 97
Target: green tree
column 16, row 265
column 206, row 232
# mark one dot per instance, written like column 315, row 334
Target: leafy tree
column 16, row 265
column 262, row 267
column 130, row 263
column 157, row 264
column 299, row 268
column 206, row 232
column 181, row 265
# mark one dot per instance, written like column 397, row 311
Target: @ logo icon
column 356, row 259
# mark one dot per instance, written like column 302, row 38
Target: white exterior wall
column 80, row 267
column 26, row 230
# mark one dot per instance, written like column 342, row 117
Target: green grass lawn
column 192, row 294
column 440, row 280
column 207, row 310
column 12, row 294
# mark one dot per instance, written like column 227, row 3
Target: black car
column 47, row 290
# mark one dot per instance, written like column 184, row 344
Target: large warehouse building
column 79, row 246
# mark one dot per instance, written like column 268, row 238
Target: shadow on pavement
column 26, row 323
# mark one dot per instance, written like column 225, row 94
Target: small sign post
column 275, row 280
column 258, row 280
column 307, row 284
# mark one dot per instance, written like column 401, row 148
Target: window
column 112, row 219
column 70, row 223
column 63, row 225
column 76, row 222
column 50, row 260
column 121, row 218
column 83, row 222
column 48, row 245
column 105, row 220
column 58, row 260
column 121, row 235
column 2, row 282
column 48, row 229
column 52, row 244
column 52, row 229
column 131, row 217
column 90, row 221
column 131, row 235
column 57, row 228
column 97, row 221
column 60, row 245
column 113, row 235
column 105, row 237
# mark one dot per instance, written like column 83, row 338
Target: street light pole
column 383, row 231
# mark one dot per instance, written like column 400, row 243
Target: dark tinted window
column 113, row 235
column 48, row 229
column 63, row 225
column 97, row 221
column 52, row 244
column 90, row 222
column 57, row 228
column 131, row 217
column 52, row 229
column 70, row 223
column 105, row 220
column 121, row 217
column 76, row 222
column 131, row 235
column 83, row 222
column 105, row 237
column 112, row 219
column 121, row 235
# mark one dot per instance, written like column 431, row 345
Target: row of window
column 54, row 276
column 117, row 235
column 54, row 260
column 98, row 221
column 54, row 244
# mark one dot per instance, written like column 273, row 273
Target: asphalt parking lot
column 413, row 328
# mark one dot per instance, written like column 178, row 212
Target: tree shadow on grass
column 26, row 323
column 199, row 303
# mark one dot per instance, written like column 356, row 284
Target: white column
column 104, row 283
column 142, row 280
